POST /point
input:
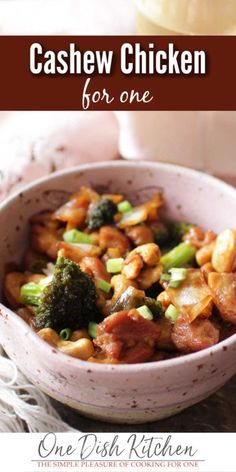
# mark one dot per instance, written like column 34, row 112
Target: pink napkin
column 33, row 144
column 82, row 17
column 203, row 140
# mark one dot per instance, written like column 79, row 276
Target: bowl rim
column 121, row 368
column 178, row 169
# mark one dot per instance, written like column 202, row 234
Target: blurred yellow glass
column 188, row 17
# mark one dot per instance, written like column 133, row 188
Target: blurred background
column 36, row 143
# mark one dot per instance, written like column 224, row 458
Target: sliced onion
column 76, row 252
column 139, row 214
column 134, row 217
column 223, row 288
column 75, row 210
column 193, row 297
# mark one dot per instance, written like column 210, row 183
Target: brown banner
column 164, row 89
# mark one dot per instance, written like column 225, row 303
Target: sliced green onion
column 76, row 236
column 177, row 277
column 145, row 312
column 92, row 329
column 124, row 206
column 114, row 266
column 30, row 293
column 65, row 334
column 178, row 273
column 103, row 285
column 165, row 277
column 172, row 313
column 179, row 256
column 175, row 283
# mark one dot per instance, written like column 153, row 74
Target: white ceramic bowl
column 118, row 393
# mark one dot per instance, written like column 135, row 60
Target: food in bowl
column 108, row 282
column 124, row 393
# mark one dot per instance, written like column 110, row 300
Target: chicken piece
column 223, row 289
column 165, row 341
column 224, row 254
column 45, row 240
column 79, row 334
column 195, row 336
column 11, row 288
column 73, row 215
column 120, row 284
column 204, row 254
column 76, row 252
column 150, row 253
column 45, row 218
column 199, row 238
column 149, row 276
column 140, row 234
column 142, row 264
column 112, row 253
column 13, row 283
column 127, row 336
column 50, row 336
column 153, row 206
column 133, row 266
column 74, row 212
column 158, row 356
column 206, row 269
column 94, row 237
column 94, row 267
column 111, row 237
column 26, row 314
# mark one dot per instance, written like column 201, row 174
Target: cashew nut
column 224, row 254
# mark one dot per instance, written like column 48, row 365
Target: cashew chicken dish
column 105, row 281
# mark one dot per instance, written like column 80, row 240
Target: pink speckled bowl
column 125, row 393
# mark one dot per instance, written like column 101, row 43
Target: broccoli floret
column 101, row 213
column 68, row 300
column 178, row 230
column 30, row 293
